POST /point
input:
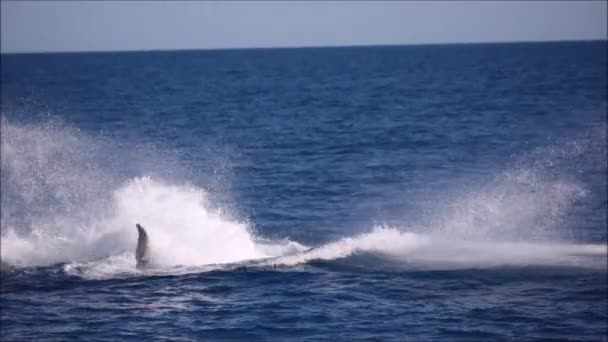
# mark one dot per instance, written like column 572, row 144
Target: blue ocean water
column 410, row 193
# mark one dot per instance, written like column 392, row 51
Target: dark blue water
column 415, row 193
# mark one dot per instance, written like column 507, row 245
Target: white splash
column 443, row 251
column 61, row 203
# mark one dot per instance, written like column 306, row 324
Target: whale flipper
column 142, row 251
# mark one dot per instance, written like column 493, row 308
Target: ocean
column 389, row 193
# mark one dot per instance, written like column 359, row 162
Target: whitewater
column 66, row 200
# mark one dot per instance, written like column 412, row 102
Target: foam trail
column 441, row 252
column 516, row 218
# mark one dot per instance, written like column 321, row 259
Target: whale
column 142, row 251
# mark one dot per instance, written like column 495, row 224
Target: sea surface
column 406, row 193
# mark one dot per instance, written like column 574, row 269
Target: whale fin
column 142, row 251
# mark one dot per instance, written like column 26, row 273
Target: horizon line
column 305, row 46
